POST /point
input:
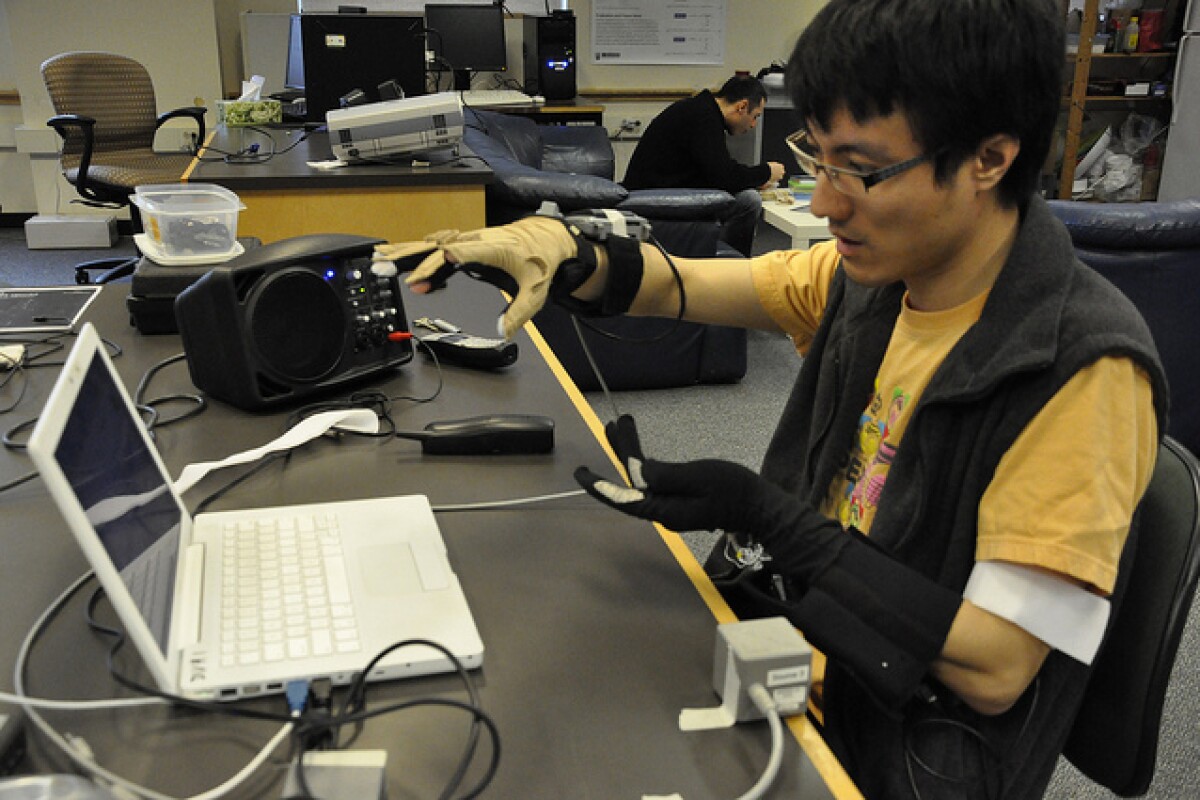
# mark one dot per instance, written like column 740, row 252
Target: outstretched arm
column 526, row 259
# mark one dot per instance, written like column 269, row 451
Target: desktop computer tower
column 548, row 47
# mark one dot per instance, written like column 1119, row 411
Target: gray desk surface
column 293, row 148
column 595, row 636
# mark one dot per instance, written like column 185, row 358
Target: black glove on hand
column 718, row 495
column 874, row 616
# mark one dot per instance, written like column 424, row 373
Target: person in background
column 944, row 507
column 684, row 147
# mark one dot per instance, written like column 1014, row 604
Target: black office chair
column 106, row 114
column 1114, row 739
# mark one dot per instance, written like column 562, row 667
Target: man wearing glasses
column 684, row 148
column 946, row 498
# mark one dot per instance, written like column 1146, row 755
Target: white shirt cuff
column 1062, row 614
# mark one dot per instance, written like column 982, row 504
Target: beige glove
column 529, row 251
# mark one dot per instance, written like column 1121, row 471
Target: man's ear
column 993, row 159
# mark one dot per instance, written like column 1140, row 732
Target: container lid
column 185, row 197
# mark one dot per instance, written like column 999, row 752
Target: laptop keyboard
column 285, row 594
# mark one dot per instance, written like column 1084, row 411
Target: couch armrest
column 680, row 204
column 570, row 192
column 1173, row 225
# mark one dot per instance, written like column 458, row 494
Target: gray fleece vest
column 1047, row 317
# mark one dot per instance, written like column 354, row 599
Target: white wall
column 175, row 39
column 759, row 33
column 16, row 179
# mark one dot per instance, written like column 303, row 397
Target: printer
column 396, row 127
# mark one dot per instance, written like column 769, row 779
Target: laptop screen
column 113, row 474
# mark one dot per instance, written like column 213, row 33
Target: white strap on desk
column 359, row 420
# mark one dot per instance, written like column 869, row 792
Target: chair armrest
column 61, row 122
column 64, row 123
column 681, row 204
column 195, row 113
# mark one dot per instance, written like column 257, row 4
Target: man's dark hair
column 959, row 70
column 743, row 87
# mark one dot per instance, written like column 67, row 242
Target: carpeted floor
column 735, row 422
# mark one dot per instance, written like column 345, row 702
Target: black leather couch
column 573, row 166
column 1151, row 252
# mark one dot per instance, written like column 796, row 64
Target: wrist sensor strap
column 625, row 270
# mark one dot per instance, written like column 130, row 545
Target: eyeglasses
column 850, row 182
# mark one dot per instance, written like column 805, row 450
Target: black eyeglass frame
column 812, row 166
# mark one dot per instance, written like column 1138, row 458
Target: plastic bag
column 1137, row 132
column 1122, row 180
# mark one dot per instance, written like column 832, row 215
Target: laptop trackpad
column 395, row 569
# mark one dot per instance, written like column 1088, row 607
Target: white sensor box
column 767, row 651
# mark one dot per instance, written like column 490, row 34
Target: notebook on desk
column 234, row 604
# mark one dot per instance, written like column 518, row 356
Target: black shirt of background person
column 684, row 148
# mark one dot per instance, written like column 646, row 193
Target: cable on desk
column 577, row 322
column 372, row 399
column 489, row 505
column 74, row 753
column 762, row 700
column 238, row 481
column 151, row 406
column 353, row 709
column 13, row 368
column 53, row 343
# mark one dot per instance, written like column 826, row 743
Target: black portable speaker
column 291, row 319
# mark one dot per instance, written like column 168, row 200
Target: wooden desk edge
column 635, row 95
column 831, row 770
column 197, row 159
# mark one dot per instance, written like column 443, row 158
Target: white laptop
column 234, row 604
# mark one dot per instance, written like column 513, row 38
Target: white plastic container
column 189, row 220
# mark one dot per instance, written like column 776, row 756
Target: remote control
column 453, row 346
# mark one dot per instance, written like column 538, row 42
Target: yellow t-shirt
column 919, row 344
column 1063, row 495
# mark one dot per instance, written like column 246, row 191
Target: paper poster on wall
column 658, row 31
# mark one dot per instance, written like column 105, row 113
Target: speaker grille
column 297, row 325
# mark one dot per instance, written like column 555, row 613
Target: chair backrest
column 1151, row 252
column 1114, row 739
column 114, row 90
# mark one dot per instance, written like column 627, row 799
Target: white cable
column 483, row 506
column 248, row 770
column 78, row 705
column 762, row 700
column 84, row 761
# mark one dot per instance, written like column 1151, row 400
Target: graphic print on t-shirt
column 879, row 432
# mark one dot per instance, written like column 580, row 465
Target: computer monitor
column 467, row 39
column 294, row 74
column 345, row 52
